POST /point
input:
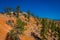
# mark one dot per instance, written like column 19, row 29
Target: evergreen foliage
column 28, row 15
column 8, row 10
column 17, row 11
column 44, row 28
column 17, row 29
column 12, row 35
column 53, row 27
column 20, row 26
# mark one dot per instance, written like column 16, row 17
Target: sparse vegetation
column 49, row 25
column 44, row 28
column 8, row 10
column 19, row 28
column 17, row 11
column 58, row 32
column 12, row 35
column 53, row 27
column 28, row 15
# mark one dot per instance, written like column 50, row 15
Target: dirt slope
column 32, row 26
column 4, row 28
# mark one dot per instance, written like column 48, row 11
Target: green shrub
column 12, row 35
column 53, row 27
column 20, row 26
column 44, row 28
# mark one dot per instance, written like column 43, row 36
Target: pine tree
column 28, row 15
column 8, row 10
column 18, row 29
column 44, row 28
column 17, row 11
column 12, row 35
column 20, row 26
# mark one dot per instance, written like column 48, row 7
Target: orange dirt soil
column 4, row 28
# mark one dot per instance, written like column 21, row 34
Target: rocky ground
column 32, row 28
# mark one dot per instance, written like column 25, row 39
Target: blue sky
column 42, row 8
